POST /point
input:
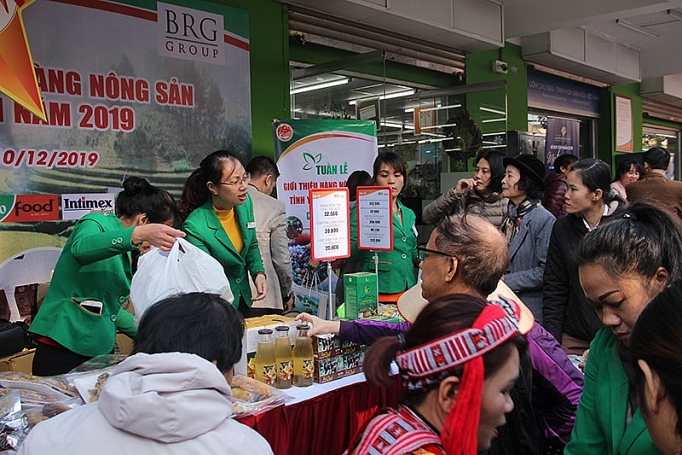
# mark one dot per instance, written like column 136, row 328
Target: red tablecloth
column 325, row 424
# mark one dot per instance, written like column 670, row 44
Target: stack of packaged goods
column 335, row 359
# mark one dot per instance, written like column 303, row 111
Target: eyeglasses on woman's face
column 244, row 180
column 423, row 252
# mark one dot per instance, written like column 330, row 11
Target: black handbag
column 13, row 337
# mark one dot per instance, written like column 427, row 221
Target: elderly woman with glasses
column 219, row 220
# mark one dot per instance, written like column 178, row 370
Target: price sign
column 329, row 224
column 375, row 221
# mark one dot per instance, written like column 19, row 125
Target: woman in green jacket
column 91, row 280
column 219, row 219
column 397, row 267
column 655, row 345
column 624, row 265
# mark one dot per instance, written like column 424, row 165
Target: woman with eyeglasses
column 219, row 219
column 566, row 313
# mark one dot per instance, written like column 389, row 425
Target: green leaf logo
column 311, row 160
column 6, row 204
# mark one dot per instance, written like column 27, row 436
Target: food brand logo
column 29, row 207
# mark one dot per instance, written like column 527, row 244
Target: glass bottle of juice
column 284, row 356
column 264, row 362
column 304, row 367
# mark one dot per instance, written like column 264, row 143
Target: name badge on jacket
column 251, row 225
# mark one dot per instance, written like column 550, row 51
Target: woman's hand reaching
column 158, row 235
column 318, row 325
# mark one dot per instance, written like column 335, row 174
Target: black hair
column 443, row 316
column 624, row 167
column 495, row 159
column 392, row 159
column 656, row 339
column 356, row 179
column 262, row 165
column 195, row 323
column 657, row 157
column 564, row 160
column 528, row 184
column 195, row 192
column 595, row 175
column 642, row 239
column 140, row 196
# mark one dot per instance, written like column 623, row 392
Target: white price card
column 329, row 224
column 375, row 221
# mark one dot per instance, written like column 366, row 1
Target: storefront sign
column 623, row 124
column 563, row 136
column 319, row 154
column 330, row 226
column 561, row 95
column 375, row 223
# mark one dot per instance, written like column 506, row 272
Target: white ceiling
column 659, row 56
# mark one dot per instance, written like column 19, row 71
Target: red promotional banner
column 30, row 208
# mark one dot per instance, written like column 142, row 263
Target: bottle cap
column 303, row 327
column 264, row 331
column 282, row 328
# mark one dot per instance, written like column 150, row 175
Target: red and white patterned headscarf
column 424, row 366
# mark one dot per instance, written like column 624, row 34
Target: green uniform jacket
column 204, row 230
column 396, row 267
column 94, row 265
column 600, row 425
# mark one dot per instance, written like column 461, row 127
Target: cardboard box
column 21, row 361
column 328, row 345
column 360, row 294
column 332, row 368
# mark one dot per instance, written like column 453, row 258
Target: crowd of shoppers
column 489, row 376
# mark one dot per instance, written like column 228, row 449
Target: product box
column 250, row 340
column 21, row 361
column 332, row 368
column 328, row 345
column 360, row 294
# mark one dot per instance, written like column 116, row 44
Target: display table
column 322, row 418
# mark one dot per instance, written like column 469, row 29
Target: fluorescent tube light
column 676, row 14
column 311, row 87
column 388, row 96
column 637, row 28
column 494, row 111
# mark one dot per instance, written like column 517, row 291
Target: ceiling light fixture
column 676, row 14
column 388, row 96
column 637, row 28
column 494, row 111
column 311, row 87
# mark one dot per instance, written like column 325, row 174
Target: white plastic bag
column 185, row 268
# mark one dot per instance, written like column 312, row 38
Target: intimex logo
column 84, row 203
column 75, row 206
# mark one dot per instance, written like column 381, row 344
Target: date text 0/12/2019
column 49, row 159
